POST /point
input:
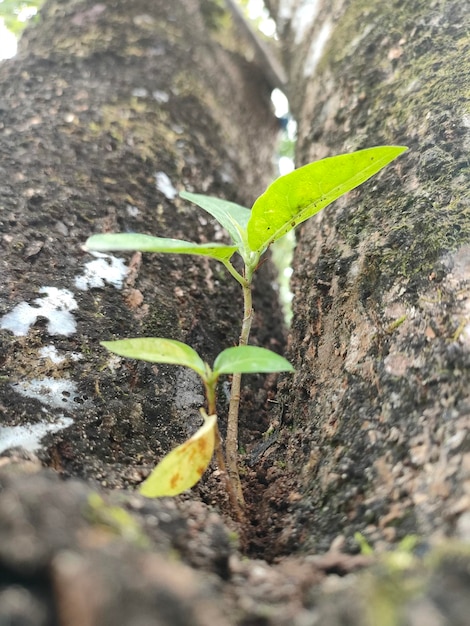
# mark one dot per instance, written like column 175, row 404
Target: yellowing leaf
column 183, row 467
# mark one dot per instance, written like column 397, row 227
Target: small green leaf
column 250, row 360
column 183, row 467
column 159, row 350
column 295, row 197
column 233, row 217
column 146, row 243
column 364, row 545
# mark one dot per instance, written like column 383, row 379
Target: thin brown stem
column 229, row 485
column 219, row 454
column 231, row 444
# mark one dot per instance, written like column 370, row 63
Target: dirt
column 74, row 554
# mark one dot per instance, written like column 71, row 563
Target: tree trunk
column 108, row 111
column 378, row 412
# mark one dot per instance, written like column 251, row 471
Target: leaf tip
column 401, row 149
column 87, row 246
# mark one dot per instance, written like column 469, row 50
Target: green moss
column 419, row 96
column 233, row 539
column 114, row 519
column 401, row 578
column 394, row 325
column 214, row 14
column 140, row 121
column 413, row 244
column 162, row 321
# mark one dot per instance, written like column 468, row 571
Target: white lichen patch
column 164, row 184
column 160, row 96
column 140, row 92
column 143, row 20
column 105, row 268
column 29, row 436
column 55, row 307
column 114, row 363
column 132, row 210
column 50, row 352
column 52, row 392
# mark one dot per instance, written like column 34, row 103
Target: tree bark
column 108, row 111
column 370, row 435
column 378, row 412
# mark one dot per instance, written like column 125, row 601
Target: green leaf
column 364, row 545
column 293, row 198
column 250, row 360
column 158, row 350
column 146, row 243
column 233, row 217
column 183, row 467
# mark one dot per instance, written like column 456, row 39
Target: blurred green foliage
column 16, row 14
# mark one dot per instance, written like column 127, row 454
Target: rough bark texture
column 379, row 406
column 108, row 110
column 71, row 557
column 103, row 100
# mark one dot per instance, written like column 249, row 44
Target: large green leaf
column 146, row 243
column 181, row 468
column 293, row 198
column 250, row 360
column 159, row 350
column 233, row 217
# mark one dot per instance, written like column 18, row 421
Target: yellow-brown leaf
column 181, row 468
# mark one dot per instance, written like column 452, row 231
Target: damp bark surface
column 378, row 413
column 109, row 110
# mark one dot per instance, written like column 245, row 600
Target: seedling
column 286, row 203
column 183, row 467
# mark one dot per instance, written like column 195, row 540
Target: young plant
column 183, row 467
column 286, row 203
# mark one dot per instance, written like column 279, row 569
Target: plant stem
column 229, row 484
column 219, row 454
column 238, row 277
column 231, row 444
